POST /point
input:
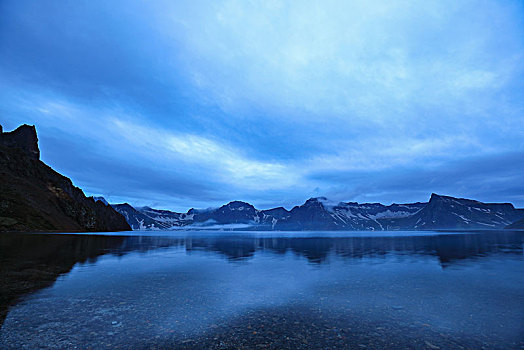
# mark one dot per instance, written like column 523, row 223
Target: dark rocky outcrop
column 34, row 197
column 23, row 138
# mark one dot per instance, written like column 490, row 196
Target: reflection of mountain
column 448, row 248
column 29, row 262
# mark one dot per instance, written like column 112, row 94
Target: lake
column 278, row 290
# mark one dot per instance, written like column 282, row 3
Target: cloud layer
column 192, row 104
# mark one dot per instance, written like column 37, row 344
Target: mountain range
column 440, row 212
column 34, row 197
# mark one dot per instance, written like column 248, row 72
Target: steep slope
column 100, row 199
column 321, row 214
column 34, row 197
column 372, row 216
column 147, row 218
column 237, row 213
column 312, row 215
column 517, row 225
column 138, row 220
column 269, row 218
column 166, row 217
column 444, row 212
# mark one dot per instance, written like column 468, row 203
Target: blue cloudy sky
column 179, row 104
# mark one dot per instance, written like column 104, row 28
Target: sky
column 181, row 104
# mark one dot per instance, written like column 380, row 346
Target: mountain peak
column 238, row 205
column 100, row 199
column 24, row 137
column 313, row 200
column 123, row 205
column 441, row 198
column 322, row 202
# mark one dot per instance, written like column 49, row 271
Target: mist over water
column 232, row 289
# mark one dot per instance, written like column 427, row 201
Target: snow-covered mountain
column 167, row 217
column 138, row 220
column 321, row 214
column 441, row 212
column 444, row 212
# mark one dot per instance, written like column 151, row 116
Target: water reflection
column 197, row 280
column 29, row 262
column 448, row 248
column 32, row 261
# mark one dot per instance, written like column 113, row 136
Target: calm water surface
column 263, row 290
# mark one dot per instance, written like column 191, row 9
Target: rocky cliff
column 23, row 138
column 34, row 197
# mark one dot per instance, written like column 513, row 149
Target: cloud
column 181, row 104
column 225, row 162
column 120, row 156
column 342, row 57
column 492, row 177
